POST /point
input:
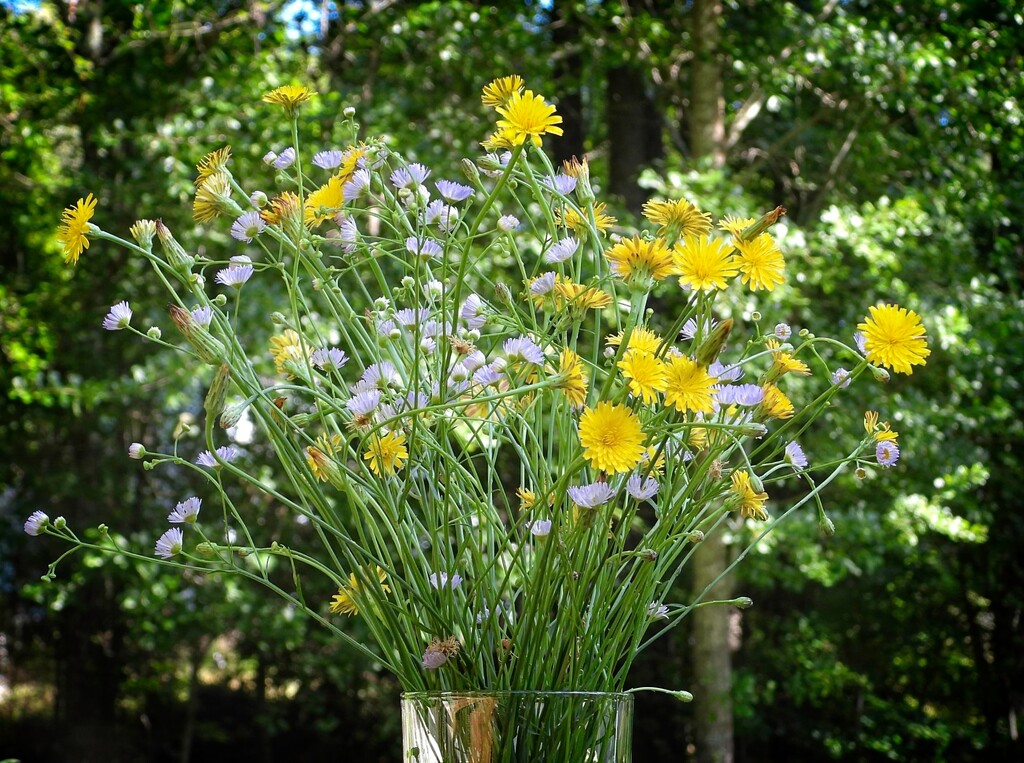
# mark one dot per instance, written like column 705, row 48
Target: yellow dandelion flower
column 678, row 219
column 775, row 404
column 704, row 263
column 784, row 362
column 350, row 162
column 572, row 376
column 642, row 338
column 870, row 421
column 528, row 116
column 325, row 201
column 885, row 434
column 571, row 219
column 212, row 197
column 636, row 258
column 569, row 294
column 212, row 163
column 289, row 97
column 387, row 454
column 647, row 375
column 527, row 498
column 736, row 225
column 689, row 386
column 761, row 262
column 280, row 208
column 698, row 438
column 895, row 338
column 751, row 503
column 344, row 602
column 612, row 438
column 74, row 224
column 499, row 92
column 499, row 140
column 326, row 446
column 658, row 467
column 285, row 348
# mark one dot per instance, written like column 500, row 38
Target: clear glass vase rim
column 540, row 693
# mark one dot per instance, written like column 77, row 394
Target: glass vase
column 517, row 727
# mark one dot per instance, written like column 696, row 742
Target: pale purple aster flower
column 442, row 579
column 542, row 284
column 486, row 376
column 285, row 159
column 433, row 659
column 354, row 188
column 433, row 289
column 380, row 375
column 841, row 378
column 170, row 543
column 414, row 400
column 224, row 452
column 327, row 160
column 203, row 316
column 186, row 511
column 483, row 615
column 562, row 251
column 523, row 348
column 564, row 184
column 454, row 192
column 364, row 403
column 409, row 317
column 426, row 248
column 474, row 312
column 387, row 328
column 237, row 273
column 445, row 215
column 508, row 223
column 540, row 528
column 119, row 317
column 35, row 523
column 270, row 157
column 860, row 339
column 348, row 234
column 247, row 226
column 591, row 496
column 325, row 357
column 431, row 327
column 474, row 360
column 136, row 451
column 427, row 345
column 723, row 372
column 740, row 394
column 657, row 611
column 691, row 328
column 414, row 174
column 783, row 331
column 795, row 455
column 887, row 453
column 642, row 488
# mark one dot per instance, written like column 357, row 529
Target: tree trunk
column 565, row 34
column 712, row 658
column 634, row 133
column 707, row 104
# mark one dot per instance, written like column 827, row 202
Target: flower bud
column 503, row 293
column 880, row 374
column 154, row 332
column 763, row 224
column 143, row 232
column 349, row 112
column 470, row 171
column 755, row 483
column 755, row 316
column 648, row 554
column 743, row 602
column 137, row 451
column 207, row 347
column 179, row 260
column 696, row 536
column 278, row 319
column 103, row 529
column 232, row 415
column 60, row 523
column 214, row 402
column 712, row 347
column 259, row 199
column 753, row 429
column 220, row 300
column 826, row 525
column 205, row 550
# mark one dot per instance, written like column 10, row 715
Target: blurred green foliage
column 892, row 134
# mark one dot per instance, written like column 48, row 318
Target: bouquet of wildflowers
column 503, row 462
